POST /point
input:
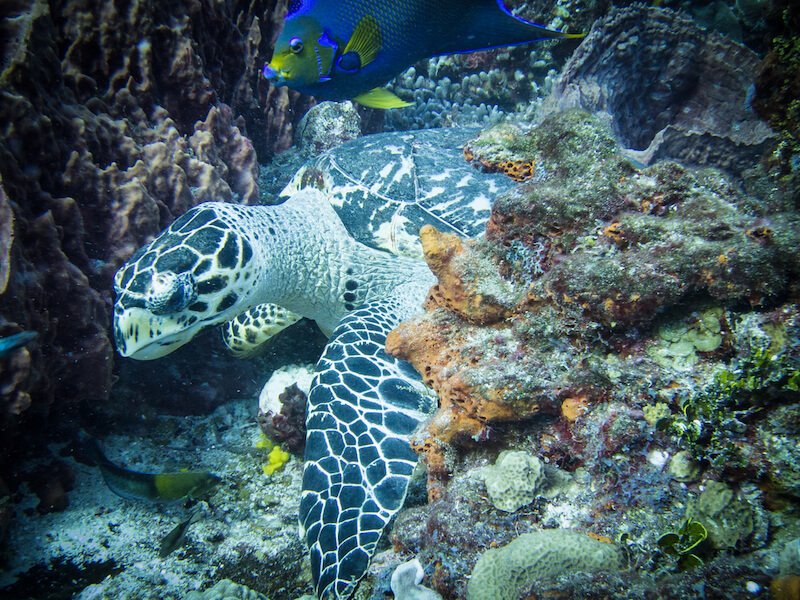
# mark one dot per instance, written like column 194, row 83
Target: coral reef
column 673, row 90
column 489, row 86
column 509, row 572
column 115, row 121
column 676, row 234
column 635, row 328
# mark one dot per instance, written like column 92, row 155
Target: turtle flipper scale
column 247, row 333
column 363, row 407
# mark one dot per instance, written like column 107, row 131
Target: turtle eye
column 296, row 45
column 170, row 293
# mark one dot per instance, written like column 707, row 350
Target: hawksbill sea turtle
column 331, row 251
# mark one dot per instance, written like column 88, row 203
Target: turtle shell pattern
column 386, row 186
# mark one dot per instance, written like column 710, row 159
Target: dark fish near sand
column 344, row 49
column 155, row 487
column 17, row 340
column 177, row 536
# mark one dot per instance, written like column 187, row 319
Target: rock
column 407, row 580
column 327, row 125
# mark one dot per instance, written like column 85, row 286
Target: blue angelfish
column 345, row 49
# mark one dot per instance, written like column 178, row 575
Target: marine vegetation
column 685, row 544
column 765, row 374
column 340, row 50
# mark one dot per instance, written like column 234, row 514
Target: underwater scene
column 410, row 299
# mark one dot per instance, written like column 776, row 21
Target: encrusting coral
column 594, row 246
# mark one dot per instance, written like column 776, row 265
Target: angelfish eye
column 296, row 45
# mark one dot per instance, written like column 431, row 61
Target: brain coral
column 226, row 590
column 508, row 573
column 514, row 480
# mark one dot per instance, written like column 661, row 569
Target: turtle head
column 193, row 275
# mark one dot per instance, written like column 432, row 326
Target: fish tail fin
column 90, row 448
column 381, row 98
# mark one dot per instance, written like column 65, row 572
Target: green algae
column 685, row 544
column 713, row 414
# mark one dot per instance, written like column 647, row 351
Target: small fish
column 12, row 342
column 345, row 49
column 177, row 536
column 155, row 487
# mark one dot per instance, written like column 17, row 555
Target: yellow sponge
column 278, row 457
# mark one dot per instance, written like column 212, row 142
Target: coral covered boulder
column 673, row 89
column 583, row 259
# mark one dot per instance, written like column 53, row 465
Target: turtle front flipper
column 363, row 408
column 247, row 333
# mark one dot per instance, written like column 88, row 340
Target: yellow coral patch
column 264, row 443
column 277, row 457
column 574, row 407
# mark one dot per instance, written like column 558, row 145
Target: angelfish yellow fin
column 381, row 98
column 365, row 41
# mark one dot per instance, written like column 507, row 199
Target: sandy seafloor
column 247, row 530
